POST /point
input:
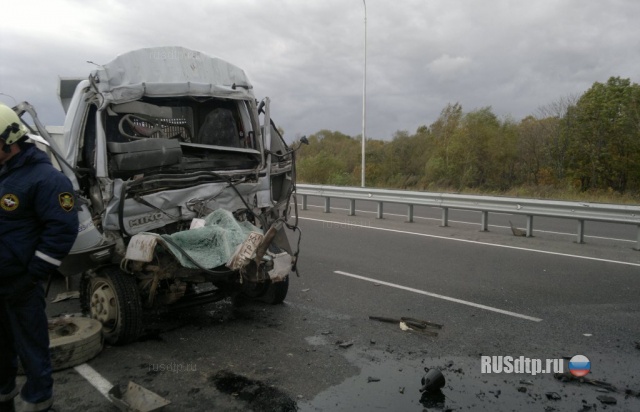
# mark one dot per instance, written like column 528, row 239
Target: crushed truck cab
column 184, row 185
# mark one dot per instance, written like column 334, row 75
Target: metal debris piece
column 411, row 324
column 565, row 377
column 526, row 382
column 386, row 320
column 432, row 381
column 345, row 345
column 423, row 322
column 607, row 400
column 401, row 390
column 553, row 396
column 136, row 399
column 372, row 379
column 74, row 294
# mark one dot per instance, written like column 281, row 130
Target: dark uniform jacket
column 38, row 219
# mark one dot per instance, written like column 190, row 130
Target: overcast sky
column 308, row 56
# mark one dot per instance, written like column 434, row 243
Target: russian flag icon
column 579, row 365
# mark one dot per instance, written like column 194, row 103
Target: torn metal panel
column 170, row 205
column 136, row 399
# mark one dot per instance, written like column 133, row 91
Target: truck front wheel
column 114, row 300
column 276, row 292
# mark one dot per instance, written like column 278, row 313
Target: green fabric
column 212, row 245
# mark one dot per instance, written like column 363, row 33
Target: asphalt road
column 544, row 297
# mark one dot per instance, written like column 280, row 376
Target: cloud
column 309, row 56
column 448, row 67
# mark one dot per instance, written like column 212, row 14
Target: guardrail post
column 352, row 207
column 445, row 217
column 380, row 210
column 409, row 213
column 304, row 202
column 580, row 237
column 484, row 223
column 529, row 225
column 327, row 205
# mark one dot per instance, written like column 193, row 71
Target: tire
column 114, row 300
column 72, row 341
column 276, row 292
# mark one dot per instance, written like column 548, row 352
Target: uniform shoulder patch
column 66, row 201
column 9, row 202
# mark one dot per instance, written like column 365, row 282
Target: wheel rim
column 104, row 305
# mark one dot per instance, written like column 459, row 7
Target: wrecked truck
column 184, row 186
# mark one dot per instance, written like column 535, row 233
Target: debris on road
column 432, row 381
column 566, row 377
column 424, row 323
column 411, row 324
column 344, row 345
column 136, row 399
column 607, row 400
column 637, row 344
column 372, row 379
column 553, row 396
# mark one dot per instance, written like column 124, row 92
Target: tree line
column 586, row 143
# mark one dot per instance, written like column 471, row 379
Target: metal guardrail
column 579, row 211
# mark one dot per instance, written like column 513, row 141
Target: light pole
column 364, row 90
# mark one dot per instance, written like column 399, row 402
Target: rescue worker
column 38, row 225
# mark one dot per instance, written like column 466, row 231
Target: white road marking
column 476, row 224
column 95, row 379
column 435, row 295
column 453, row 239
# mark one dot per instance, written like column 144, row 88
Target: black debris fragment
column 553, row 396
column 413, row 324
column 522, row 389
column 344, row 345
column 607, row 400
column 432, row 381
column 424, row 323
column 566, row 377
column 372, row 379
